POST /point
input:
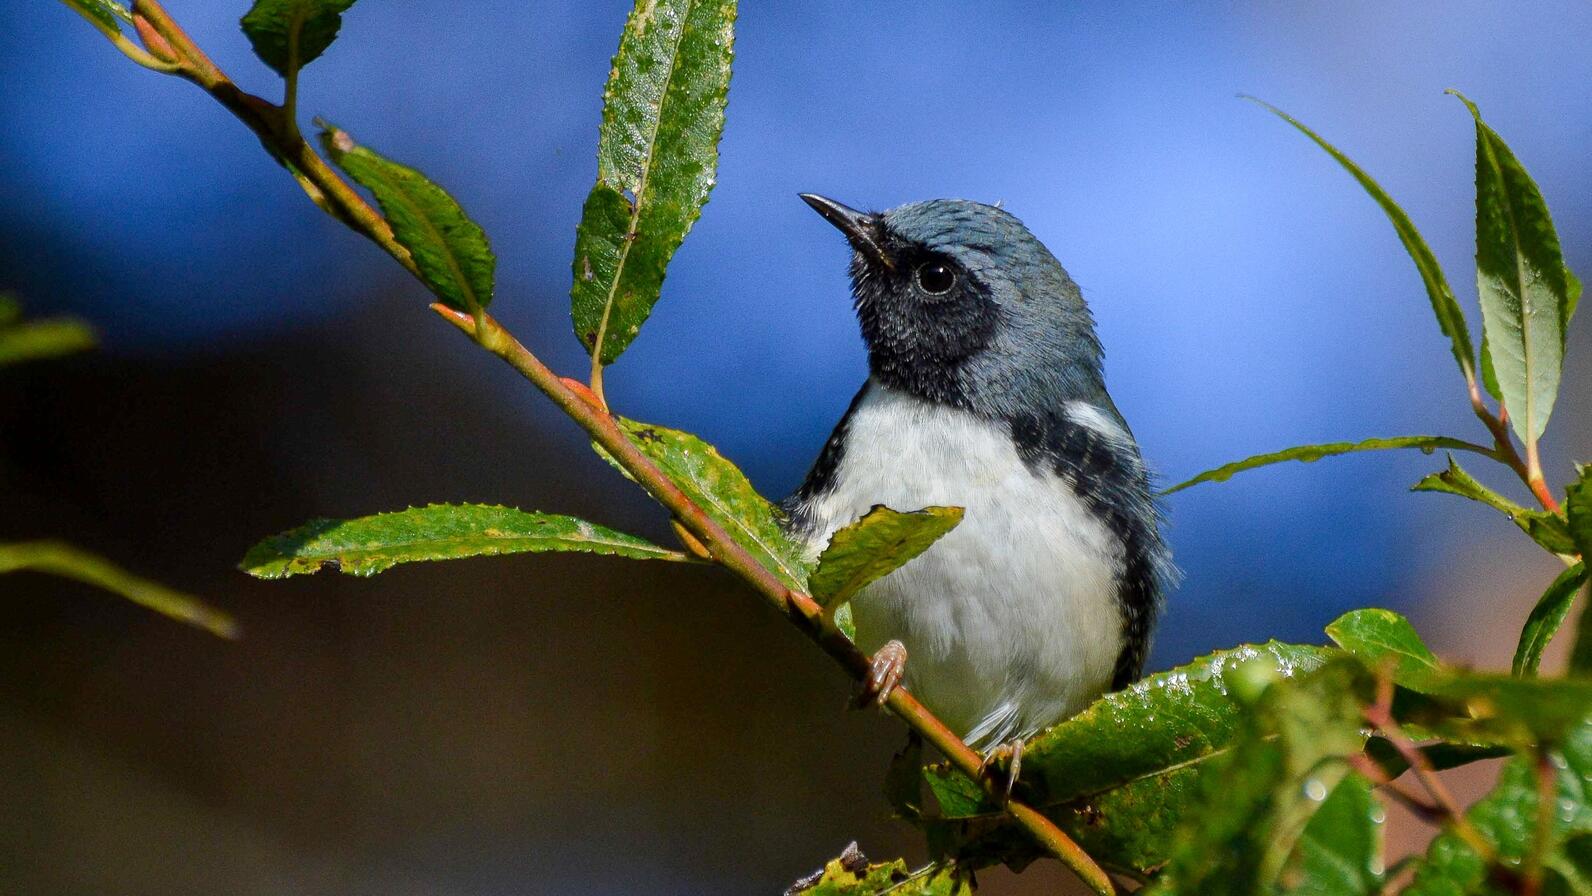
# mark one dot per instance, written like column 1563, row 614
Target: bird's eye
column 936, row 278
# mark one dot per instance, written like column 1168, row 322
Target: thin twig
column 589, row 412
column 1380, row 714
column 1504, row 446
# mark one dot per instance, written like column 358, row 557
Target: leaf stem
column 1529, row 470
column 797, row 606
column 1380, row 714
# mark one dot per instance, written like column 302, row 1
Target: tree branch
column 275, row 131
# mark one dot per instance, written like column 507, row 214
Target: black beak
column 860, row 228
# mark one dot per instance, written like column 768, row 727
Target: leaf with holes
column 451, row 251
column 1520, row 274
column 373, row 544
column 290, row 34
column 872, row 547
column 657, row 155
column 1311, row 453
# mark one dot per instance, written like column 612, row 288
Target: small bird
column 985, row 391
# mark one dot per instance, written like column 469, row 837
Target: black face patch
column 922, row 317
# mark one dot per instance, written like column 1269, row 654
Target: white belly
column 1010, row 621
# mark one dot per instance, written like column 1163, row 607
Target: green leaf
column 657, row 154
column 1449, row 318
column 1546, row 617
column 105, row 14
column 290, row 34
column 1242, row 835
column 46, row 338
column 1340, row 852
column 1119, row 775
column 1482, row 708
column 55, row 558
column 872, row 547
column 1507, row 820
column 851, row 874
column 1578, row 508
column 1547, row 529
column 1520, row 273
column 1378, row 636
column 455, row 260
column 1310, row 453
column 373, row 544
column 718, row 487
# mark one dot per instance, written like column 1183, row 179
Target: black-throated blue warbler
column 986, row 391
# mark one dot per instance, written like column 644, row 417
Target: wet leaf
column 1119, row 775
column 290, row 34
column 718, row 487
column 872, row 547
column 373, row 544
column 455, row 260
column 1242, row 835
column 1547, row 529
column 1340, row 852
column 1520, row 274
column 1309, row 453
column 657, row 155
column 1507, row 820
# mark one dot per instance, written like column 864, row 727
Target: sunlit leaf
column 289, row 34
column 106, row 15
column 1449, row 317
column 851, row 874
column 451, row 251
column 373, row 544
column 872, row 547
column 1546, row 617
column 1309, row 453
column 1379, row 637
column 657, row 154
column 718, row 487
column 1119, row 775
column 66, row 561
column 1547, row 529
column 1520, row 273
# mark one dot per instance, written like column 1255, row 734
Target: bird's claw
column 884, row 674
column 1013, row 751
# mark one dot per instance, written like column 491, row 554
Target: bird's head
column 960, row 304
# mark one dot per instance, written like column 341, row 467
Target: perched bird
column 985, row 391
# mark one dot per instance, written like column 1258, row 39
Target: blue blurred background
column 549, row 724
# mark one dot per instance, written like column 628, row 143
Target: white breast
column 1010, row 621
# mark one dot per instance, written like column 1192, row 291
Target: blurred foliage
column 52, row 337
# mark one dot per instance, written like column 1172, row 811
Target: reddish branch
column 334, row 195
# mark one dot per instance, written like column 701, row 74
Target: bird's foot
column 1011, row 753
column 884, row 674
